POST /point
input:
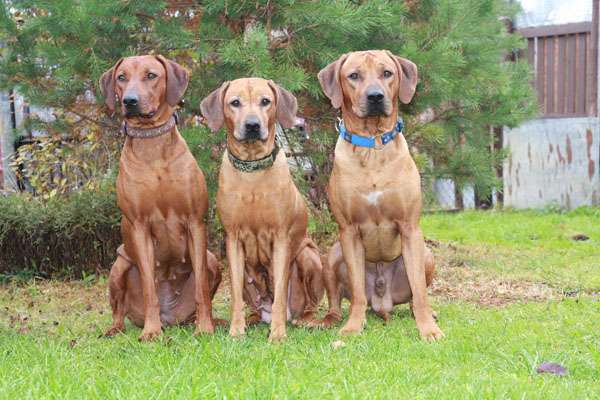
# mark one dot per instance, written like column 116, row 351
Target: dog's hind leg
column 116, row 291
column 203, row 300
column 184, row 311
column 310, row 285
column 333, row 269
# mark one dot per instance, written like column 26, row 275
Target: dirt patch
column 50, row 305
column 456, row 279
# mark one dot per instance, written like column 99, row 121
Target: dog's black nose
column 130, row 101
column 375, row 96
column 252, row 128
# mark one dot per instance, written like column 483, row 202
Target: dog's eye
column 265, row 102
column 121, row 77
column 151, row 75
column 387, row 73
column 353, row 76
column 235, row 103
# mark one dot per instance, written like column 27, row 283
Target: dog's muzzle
column 132, row 107
column 252, row 129
column 375, row 102
column 131, row 104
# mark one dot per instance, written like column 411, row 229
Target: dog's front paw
column 277, row 334
column 430, row 331
column 205, row 326
column 353, row 326
column 150, row 333
column 237, row 329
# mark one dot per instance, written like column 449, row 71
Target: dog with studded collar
column 163, row 274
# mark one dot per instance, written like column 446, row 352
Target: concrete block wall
column 553, row 161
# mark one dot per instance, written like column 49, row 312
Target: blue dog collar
column 369, row 141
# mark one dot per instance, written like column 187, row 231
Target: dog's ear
column 177, row 80
column 287, row 106
column 329, row 78
column 409, row 76
column 211, row 108
column 107, row 86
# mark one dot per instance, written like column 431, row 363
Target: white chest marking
column 373, row 197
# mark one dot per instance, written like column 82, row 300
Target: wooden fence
column 565, row 61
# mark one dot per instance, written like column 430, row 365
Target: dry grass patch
column 458, row 278
column 53, row 306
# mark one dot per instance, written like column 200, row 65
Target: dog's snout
column 375, row 101
column 375, row 96
column 252, row 128
column 130, row 101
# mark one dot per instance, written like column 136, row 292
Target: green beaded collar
column 254, row 165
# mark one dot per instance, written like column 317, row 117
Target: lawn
column 530, row 245
column 513, row 290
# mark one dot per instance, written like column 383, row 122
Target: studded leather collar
column 143, row 133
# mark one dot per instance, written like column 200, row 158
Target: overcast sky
column 551, row 12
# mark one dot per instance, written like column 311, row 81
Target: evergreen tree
column 56, row 50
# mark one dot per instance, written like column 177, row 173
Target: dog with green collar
column 274, row 267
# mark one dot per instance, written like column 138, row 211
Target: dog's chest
column 165, row 194
column 374, row 212
column 257, row 217
column 382, row 240
column 372, row 203
column 162, row 185
column 256, row 203
column 151, row 178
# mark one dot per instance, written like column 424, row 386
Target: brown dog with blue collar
column 273, row 265
column 375, row 192
column 163, row 274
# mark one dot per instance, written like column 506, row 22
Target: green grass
column 49, row 344
column 530, row 245
column 487, row 353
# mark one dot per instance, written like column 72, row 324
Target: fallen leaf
column 580, row 237
column 552, row 368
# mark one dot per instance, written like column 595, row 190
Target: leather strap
column 143, row 133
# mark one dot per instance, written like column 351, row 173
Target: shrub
column 70, row 234
column 59, row 164
column 63, row 236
